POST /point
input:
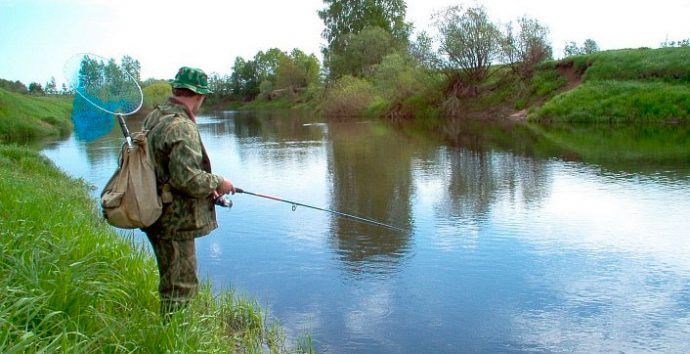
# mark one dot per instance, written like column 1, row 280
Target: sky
column 37, row 37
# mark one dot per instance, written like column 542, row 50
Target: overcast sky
column 38, row 36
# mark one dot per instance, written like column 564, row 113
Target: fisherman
column 188, row 188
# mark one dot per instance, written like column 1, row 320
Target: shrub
column 155, row 94
column 349, row 97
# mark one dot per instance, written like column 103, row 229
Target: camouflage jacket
column 183, row 166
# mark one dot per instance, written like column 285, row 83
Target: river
column 516, row 238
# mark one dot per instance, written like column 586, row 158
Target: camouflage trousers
column 177, row 270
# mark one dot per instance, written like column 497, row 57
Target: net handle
column 125, row 131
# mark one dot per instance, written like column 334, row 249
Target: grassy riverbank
column 25, row 117
column 622, row 86
column 71, row 284
column 617, row 86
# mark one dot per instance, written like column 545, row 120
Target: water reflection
column 370, row 175
column 519, row 238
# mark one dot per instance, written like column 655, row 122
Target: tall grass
column 619, row 102
column 71, row 284
column 24, row 117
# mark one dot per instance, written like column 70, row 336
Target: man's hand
column 226, row 187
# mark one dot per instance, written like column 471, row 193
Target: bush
column 155, row 93
column 349, row 97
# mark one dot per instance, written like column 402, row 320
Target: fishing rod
column 296, row 204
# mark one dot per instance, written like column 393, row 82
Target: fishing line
column 345, row 215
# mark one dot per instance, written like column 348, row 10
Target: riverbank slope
column 72, row 284
column 617, row 86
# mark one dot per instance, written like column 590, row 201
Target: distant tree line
column 111, row 69
column 371, row 60
column 265, row 73
column 679, row 43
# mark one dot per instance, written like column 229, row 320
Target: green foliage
column 72, row 285
column 345, row 18
column 244, row 79
column 619, row 101
column 265, row 89
column 279, row 69
column 13, row 86
column 349, row 97
column 680, row 43
column 365, row 50
column 524, row 50
column 23, row 117
column 248, row 75
column 155, row 93
column 469, row 42
column 297, row 70
column 589, row 46
column 36, row 89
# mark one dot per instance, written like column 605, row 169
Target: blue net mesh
column 104, row 84
column 90, row 123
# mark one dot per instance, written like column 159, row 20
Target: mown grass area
column 623, row 86
column 71, row 284
column 25, row 117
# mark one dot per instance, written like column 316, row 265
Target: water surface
column 540, row 239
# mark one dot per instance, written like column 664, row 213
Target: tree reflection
column 370, row 177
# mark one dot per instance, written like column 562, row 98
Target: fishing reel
column 223, row 201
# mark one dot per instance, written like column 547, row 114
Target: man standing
column 187, row 187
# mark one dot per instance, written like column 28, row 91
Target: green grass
column 665, row 64
column 71, row 284
column 25, row 117
column 622, row 86
column 619, row 102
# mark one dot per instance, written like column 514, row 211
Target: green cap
column 193, row 79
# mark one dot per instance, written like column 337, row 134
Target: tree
column 422, row 50
column 51, row 86
column 590, row 46
column 345, row 18
column 267, row 64
column 469, row 43
column 526, row 48
column 309, row 64
column 220, row 86
column 571, row 49
column 289, row 74
column 680, row 43
column 367, row 48
column 244, row 79
column 14, row 86
column 36, row 89
column 131, row 66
